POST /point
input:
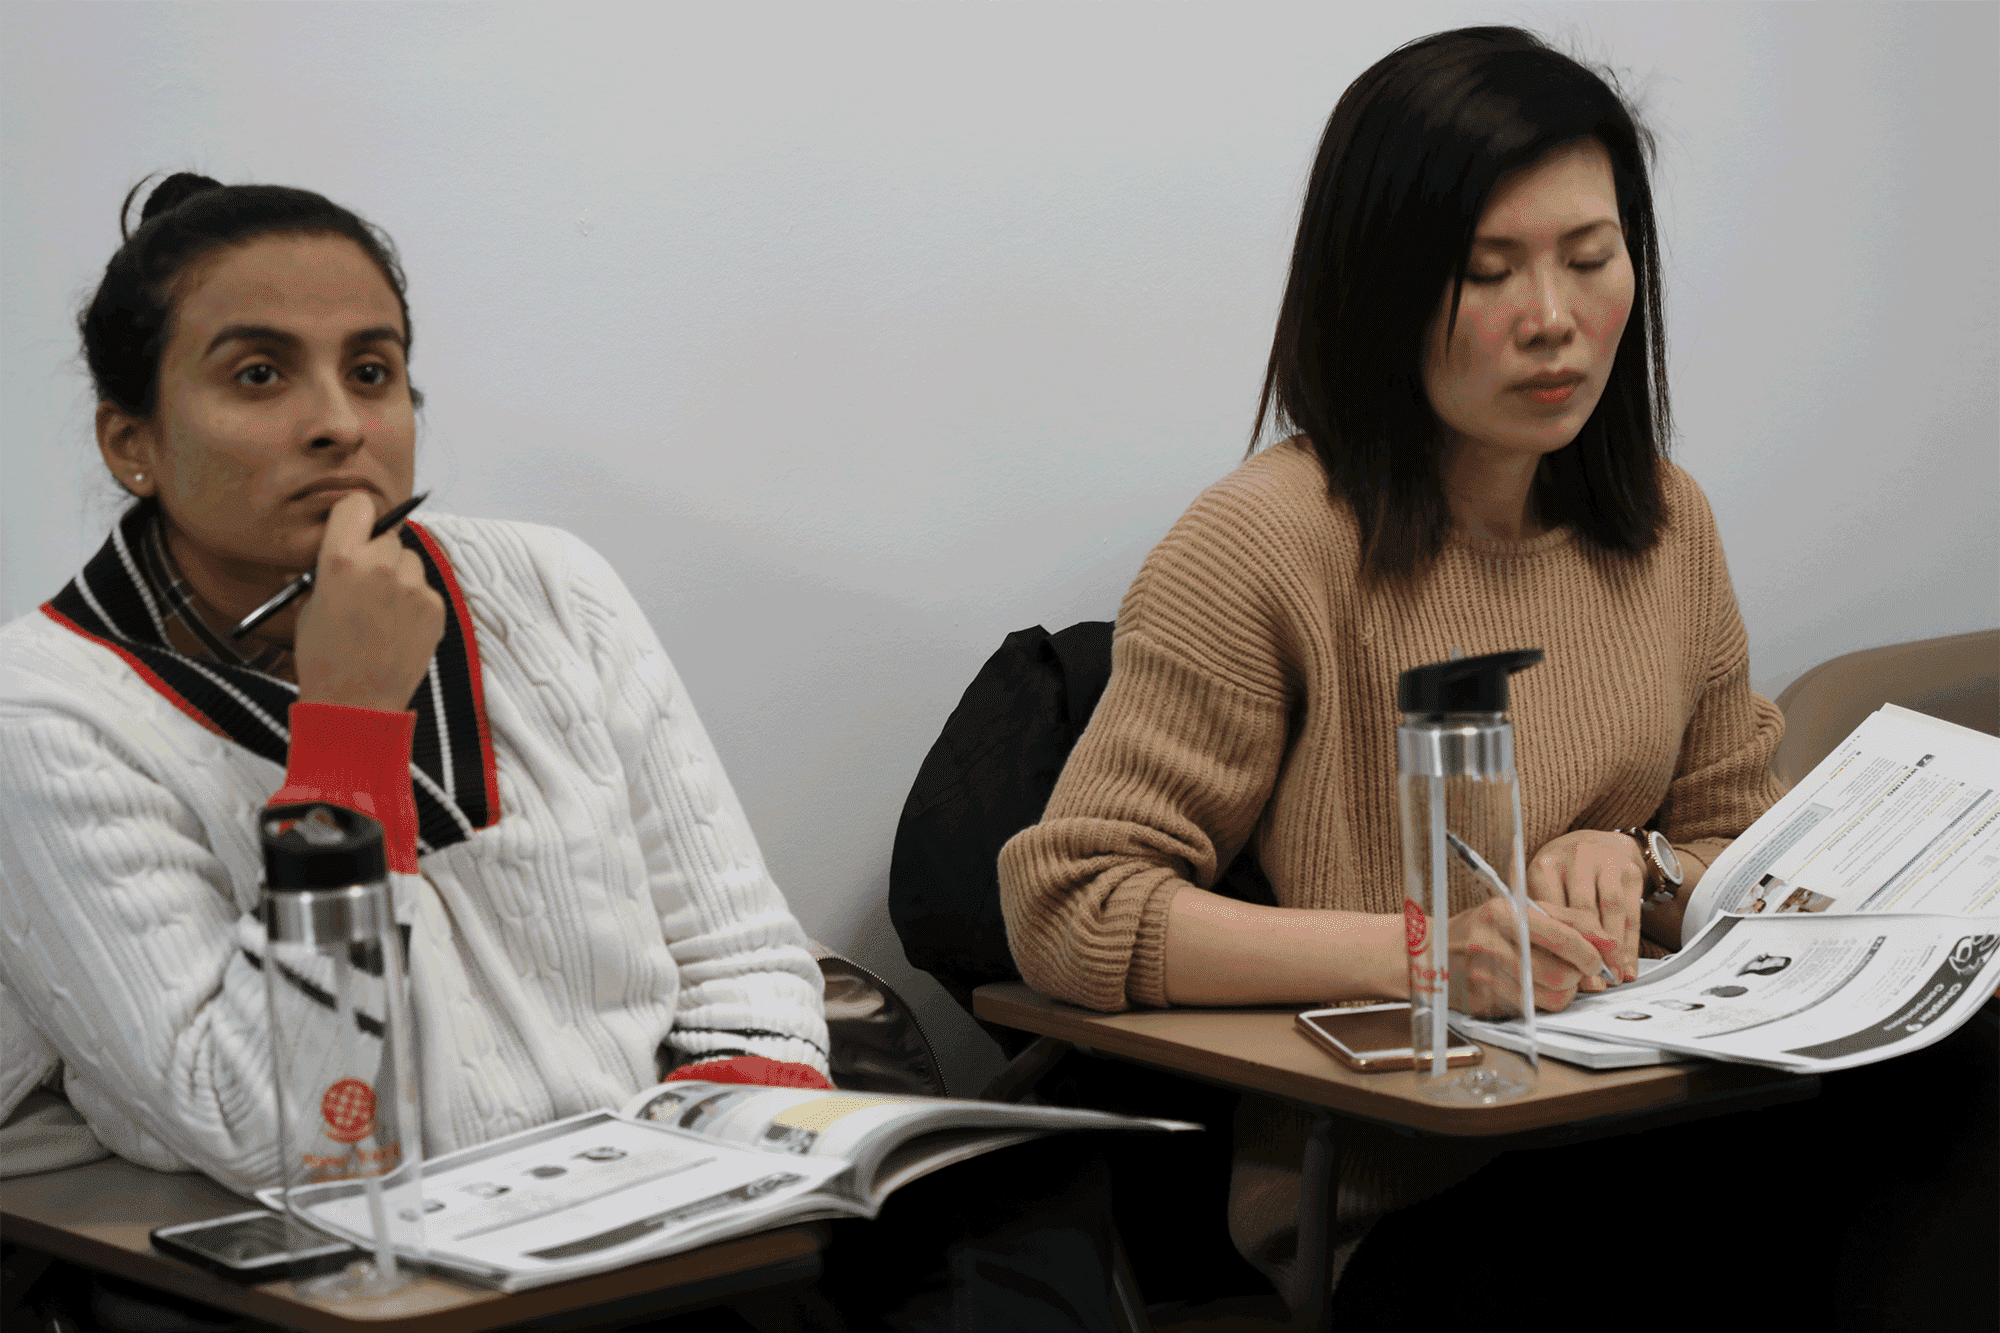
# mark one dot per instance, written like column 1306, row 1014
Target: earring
column 138, row 477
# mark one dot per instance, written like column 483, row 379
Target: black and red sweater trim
column 451, row 780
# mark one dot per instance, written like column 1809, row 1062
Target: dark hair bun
column 130, row 317
column 172, row 192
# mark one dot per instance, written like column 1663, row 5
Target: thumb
column 347, row 523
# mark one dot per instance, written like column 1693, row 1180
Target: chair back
column 874, row 1041
column 1956, row 678
column 988, row 776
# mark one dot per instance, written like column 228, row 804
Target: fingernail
column 1631, row 974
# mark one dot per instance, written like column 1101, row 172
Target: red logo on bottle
column 1416, row 927
column 348, row 1107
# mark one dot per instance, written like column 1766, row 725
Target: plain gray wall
column 859, row 335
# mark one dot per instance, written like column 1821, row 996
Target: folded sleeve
column 358, row 758
column 748, row 985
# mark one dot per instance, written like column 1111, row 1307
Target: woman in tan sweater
column 1470, row 356
column 1483, row 471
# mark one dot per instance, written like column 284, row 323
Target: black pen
column 303, row 582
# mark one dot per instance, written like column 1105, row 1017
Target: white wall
column 859, row 335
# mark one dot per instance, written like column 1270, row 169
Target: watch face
column 1664, row 850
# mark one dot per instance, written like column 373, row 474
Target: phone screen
column 1374, row 1039
column 240, row 1242
column 251, row 1247
column 1368, row 1032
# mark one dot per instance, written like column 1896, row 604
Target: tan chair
column 1956, row 678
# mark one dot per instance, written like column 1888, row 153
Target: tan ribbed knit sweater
column 1253, row 695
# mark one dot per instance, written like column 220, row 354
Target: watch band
column 1660, row 887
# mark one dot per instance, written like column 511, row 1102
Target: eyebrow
column 265, row 333
column 1509, row 243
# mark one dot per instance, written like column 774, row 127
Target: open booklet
column 1569, row 1047
column 1872, row 894
column 679, row 1166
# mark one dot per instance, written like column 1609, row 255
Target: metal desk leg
column 1130, row 1305
column 1025, row 1070
column 1319, row 1186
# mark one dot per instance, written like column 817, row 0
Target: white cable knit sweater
column 619, row 902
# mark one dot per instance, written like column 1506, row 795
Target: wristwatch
column 1663, row 868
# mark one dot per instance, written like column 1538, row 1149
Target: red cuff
column 359, row 758
column 754, row 1069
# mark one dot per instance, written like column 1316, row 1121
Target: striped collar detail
column 184, row 617
column 115, row 603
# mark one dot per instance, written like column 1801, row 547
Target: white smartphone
column 1375, row 1038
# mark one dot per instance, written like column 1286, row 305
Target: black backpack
column 988, row 777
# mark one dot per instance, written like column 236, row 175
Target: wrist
column 349, row 694
column 1389, row 948
column 1658, row 864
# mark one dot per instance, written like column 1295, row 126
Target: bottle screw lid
column 1464, row 684
column 318, row 845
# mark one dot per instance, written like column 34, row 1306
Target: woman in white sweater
column 586, row 908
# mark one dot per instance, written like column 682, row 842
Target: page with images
column 891, row 1140
column 1804, row 992
column 801, row 1121
column 1902, row 816
column 584, row 1195
column 1584, row 1052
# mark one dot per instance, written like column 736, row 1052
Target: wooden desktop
column 100, row 1215
column 1259, row 1050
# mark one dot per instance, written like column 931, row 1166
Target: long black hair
column 1410, row 155
column 185, row 219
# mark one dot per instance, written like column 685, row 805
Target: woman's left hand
column 1598, row 872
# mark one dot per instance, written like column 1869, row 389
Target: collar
column 114, row 603
column 185, row 616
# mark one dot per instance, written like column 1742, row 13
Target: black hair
column 1409, row 158
column 186, row 219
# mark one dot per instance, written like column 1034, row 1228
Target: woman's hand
column 1486, row 971
column 1600, row 874
column 371, row 622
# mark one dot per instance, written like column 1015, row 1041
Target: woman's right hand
column 371, row 623
column 1486, row 971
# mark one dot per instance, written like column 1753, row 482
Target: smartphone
column 251, row 1247
column 1374, row 1039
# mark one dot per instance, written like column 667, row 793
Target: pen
column 299, row 585
column 1477, row 864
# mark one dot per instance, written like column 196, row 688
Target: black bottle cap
column 1466, row 685
column 315, row 845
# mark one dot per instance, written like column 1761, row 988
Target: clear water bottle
column 340, row 1041
column 1461, row 823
